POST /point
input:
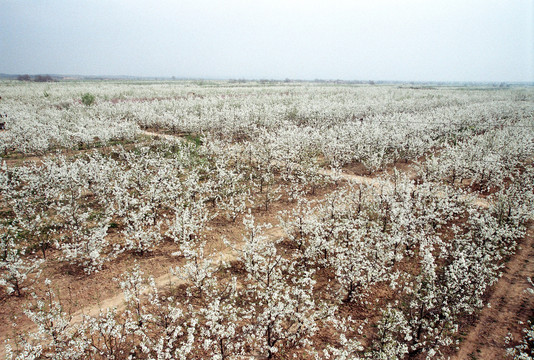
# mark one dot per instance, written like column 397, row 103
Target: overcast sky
column 425, row 40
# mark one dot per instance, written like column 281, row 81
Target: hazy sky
column 453, row 40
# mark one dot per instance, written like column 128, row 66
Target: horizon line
column 260, row 79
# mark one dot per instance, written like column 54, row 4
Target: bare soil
column 509, row 305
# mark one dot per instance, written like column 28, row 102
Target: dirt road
column 509, row 304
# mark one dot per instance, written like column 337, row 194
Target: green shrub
column 88, row 99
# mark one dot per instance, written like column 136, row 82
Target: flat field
column 223, row 220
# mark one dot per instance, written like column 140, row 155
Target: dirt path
column 357, row 179
column 117, row 301
column 479, row 201
column 167, row 280
column 160, row 135
column 162, row 282
column 340, row 175
column 509, row 304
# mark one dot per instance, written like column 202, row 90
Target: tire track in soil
column 509, row 304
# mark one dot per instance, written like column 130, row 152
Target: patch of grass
column 194, row 138
column 88, row 99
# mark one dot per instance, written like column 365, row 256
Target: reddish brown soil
column 509, row 304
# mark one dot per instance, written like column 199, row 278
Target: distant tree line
column 36, row 78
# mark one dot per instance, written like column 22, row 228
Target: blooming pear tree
column 399, row 208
